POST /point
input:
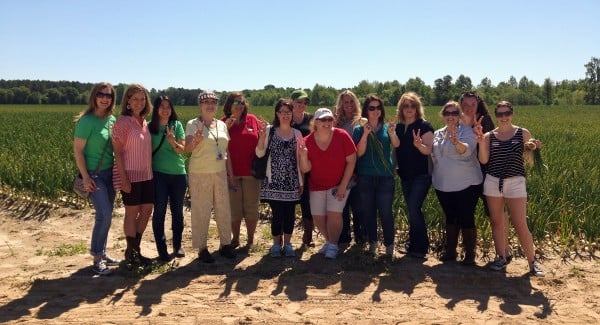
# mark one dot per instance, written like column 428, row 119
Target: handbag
column 78, row 186
column 259, row 164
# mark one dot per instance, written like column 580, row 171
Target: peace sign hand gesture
column 417, row 139
column 170, row 133
column 478, row 129
column 198, row 136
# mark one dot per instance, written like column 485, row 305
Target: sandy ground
column 257, row 289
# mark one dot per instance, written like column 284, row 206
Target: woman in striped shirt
column 502, row 149
column 132, row 143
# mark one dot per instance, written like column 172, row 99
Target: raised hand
column 170, row 133
column 391, row 127
column 451, row 134
column 230, row 121
column 417, row 139
column 478, row 129
column 198, row 136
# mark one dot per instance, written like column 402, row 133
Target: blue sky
column 234, row 45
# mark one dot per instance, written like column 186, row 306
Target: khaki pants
column 245, row 199
column 207, row 192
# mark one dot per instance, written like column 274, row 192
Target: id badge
column 219, row 156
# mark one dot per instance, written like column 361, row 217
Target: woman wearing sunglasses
column 502, row 149
column 375, row 169
column 456, row 178
column 329, row 155
column 93, row 153
column 244, row 189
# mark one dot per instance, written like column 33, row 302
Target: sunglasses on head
column 504, row 114
column 103, row 95
column 450, row 113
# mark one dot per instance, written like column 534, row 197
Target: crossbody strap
column 102, row 156
column 271, row 133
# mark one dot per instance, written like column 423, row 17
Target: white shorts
column 513, row 187
column 323, row 201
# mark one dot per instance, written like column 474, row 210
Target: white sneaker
column 332, row 251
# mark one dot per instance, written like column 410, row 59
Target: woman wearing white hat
column 330, row 155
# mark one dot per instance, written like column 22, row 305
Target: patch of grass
column 63, row 250
column 577, row 272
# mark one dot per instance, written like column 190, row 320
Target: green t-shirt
column 166, row 160
column 96, row 131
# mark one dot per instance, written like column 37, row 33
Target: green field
column 36, row 159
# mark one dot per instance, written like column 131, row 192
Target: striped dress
column 506, row 157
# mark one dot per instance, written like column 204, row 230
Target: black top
column 411, row 162
column 304, row 126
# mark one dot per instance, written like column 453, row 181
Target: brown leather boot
column 470, row 245
column 308, row 226
column 452, row 232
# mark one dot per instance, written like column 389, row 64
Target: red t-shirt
column 328, row 166
column 243, row 138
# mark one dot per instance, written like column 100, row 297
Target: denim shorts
column 513, row 188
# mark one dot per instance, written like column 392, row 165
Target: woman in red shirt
column 330, row 155
column 244, row 189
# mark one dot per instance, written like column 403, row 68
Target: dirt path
column 254, row 288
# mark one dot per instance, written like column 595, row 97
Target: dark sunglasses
column 239, row 102
column 410, row 106
column 372, row 108
column 326, row 119
column 504, row 114
column 209, row 102
column 450, row 113
column 104, row 95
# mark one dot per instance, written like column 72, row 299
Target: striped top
column 137, row 148
column 506, row 157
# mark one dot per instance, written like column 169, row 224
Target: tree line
column 521, row 92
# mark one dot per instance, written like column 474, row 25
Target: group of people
column 339, row 166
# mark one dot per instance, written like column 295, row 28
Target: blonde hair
column 408, row 98
column 340, row 117
column 451, row 104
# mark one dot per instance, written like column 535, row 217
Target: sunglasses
column 326, row 119
column 209, row 102
column 285, row 112
column 239, row 102
column 450, row 113
column 104, row 95
column 504, row 114
column 372, row 108
column 409, row 106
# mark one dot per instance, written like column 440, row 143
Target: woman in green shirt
column 168, row 167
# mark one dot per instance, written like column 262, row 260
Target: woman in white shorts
column 330, row 155
column 502, row 149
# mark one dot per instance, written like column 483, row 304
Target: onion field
column 36, row 161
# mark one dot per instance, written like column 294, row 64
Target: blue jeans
column 376, row 198
column 415, row 191
column 103, row 200
column 168, row 189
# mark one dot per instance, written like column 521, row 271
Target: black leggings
column 284, row 215
column 459, row 206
